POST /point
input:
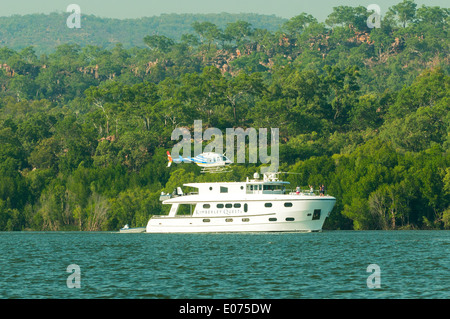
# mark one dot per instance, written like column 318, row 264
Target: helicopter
column 210, row 162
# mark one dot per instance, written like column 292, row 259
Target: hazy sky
column 139, row 8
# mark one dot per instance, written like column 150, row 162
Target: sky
column 140, row 8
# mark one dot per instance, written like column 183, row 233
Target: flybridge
column 268, row 185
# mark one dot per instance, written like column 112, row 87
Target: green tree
column 207, row 31
column 133, row 207
column 405, row 11
column 159, row 42
column 344, row 88
column 45, row 154
column 297, row 24
column 238, row 32
column 78, row 142
column 348, row 16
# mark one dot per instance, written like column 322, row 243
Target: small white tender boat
column 127, row 229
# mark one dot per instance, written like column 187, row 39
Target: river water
column 327, row 265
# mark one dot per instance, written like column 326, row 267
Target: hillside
column 46, row 31
column 84, row 129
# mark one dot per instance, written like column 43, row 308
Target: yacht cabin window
column 266, row 188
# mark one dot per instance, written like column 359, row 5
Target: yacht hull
column 305, row 215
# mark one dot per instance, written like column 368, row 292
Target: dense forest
column 84, row 129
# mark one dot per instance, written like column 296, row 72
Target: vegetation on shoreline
column 84, row 129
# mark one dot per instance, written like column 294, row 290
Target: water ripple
column 414, row 264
